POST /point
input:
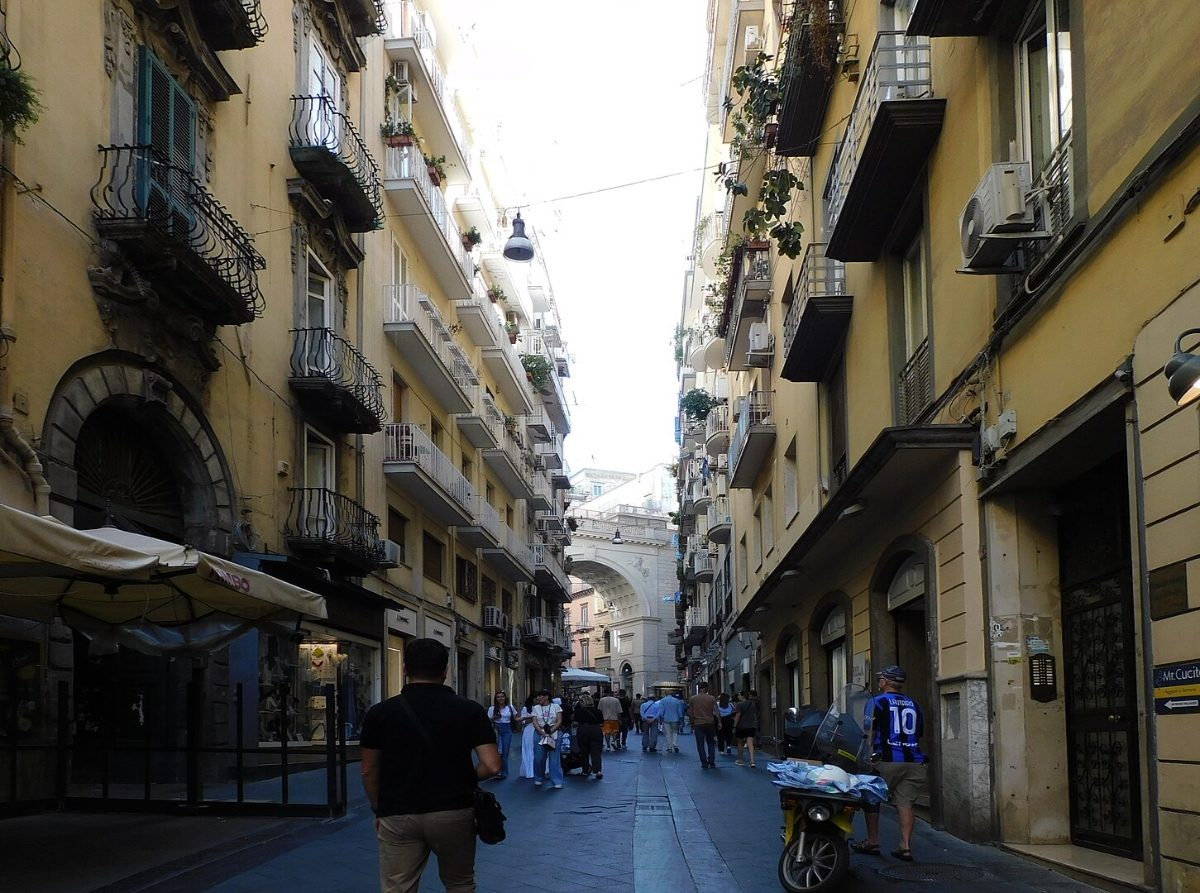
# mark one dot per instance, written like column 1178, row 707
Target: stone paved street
column 630, row 831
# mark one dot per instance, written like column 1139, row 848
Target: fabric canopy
column 118, row 577
column 571, row 674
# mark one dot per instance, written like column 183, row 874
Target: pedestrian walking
column 626, row 717
column 590, row 735
column 528, row 738
column 502, row 715
column 896, row 724
column 636, row 710
column 650, row 710
column 702, row 711
column 421, row 790
column 610, row 709
column 724, row 723
column 547, row 720
column 672, row 711
column 745, row 726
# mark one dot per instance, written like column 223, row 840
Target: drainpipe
column 8, row 430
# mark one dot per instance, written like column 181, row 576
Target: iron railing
column 320, row 353
column 712, row 228
column 318, row 123
column 411, row 24
column 914, row 385
column 255, row 18
column 545, row 559
column 717, row 423
column 1056, row 188
column 756, row 410
column 487, row 517
column 514, row 544
column 320, row 516
column 139, row 185
column 899, row 69
column 406, row 163
column 755, row 272
column 408, row 304
column 405, row 442
column 819, row 276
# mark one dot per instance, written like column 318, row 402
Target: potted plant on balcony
column 19, row 104
column 696, row 403
column 513, row 330
column 537, row 369
column 398, row 133
column 471, row 238
column 496, row 293
column 436, row 165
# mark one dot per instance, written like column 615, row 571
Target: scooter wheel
column 822, row 866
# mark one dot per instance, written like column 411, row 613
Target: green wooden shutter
column 167, row 128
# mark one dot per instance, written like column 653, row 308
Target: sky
column 591, row 97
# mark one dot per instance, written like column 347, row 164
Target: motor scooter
column 817, row 824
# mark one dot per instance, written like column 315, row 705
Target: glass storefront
column 294, row 674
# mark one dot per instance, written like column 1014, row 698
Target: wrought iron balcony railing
column 900, row 68
column 819, row 275
column 347, row 387
column 178, row 235
column 329, row 152
column 334, row 526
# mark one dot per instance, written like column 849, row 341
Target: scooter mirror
column 793, row 714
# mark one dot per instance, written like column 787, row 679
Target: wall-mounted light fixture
column 518, row 247
column 616, row 540
column 1182, row 372
column 851, row 510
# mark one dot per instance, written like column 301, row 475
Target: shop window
column 433, row 559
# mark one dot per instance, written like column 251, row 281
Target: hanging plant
column 471, row 238
column 537, row 368
column 19, row 106
column 696, row 403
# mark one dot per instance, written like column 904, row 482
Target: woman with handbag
column 528, row 738
column 725, row 727
column 502, row 716
column 547, row 719
column 590, row 735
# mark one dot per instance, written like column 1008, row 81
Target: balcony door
column 320, row 512
column 400, row 310
column 167, row 128
column 321, row 354
column 325, row 81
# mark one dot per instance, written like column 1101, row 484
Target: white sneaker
column 558, row 787
column 537, row 784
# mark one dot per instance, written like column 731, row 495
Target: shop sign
column 1177, row 688
column 436, row 629
column 402, row 620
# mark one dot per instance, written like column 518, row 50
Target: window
column 167, row 124
column 324, row 80
column 399, row 397
column 489, row 494
column 607, row 644
column 487, row 590
column 397, row 531
column 583, row 613
column 1045, row 88
column 741, row 563
column 768, row 523
column 791, row 484
column 465, row 466
column 318, row 314
column 914, row 385
column 833, row 394
column 432, row 558
column 506, row 603
column 597, row 489
column 435, row 433
column 319, row 509
column 585, row 658
column 466, row 579
column 757, row 544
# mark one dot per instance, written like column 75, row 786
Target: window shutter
column 167, row 125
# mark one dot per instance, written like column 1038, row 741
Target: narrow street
column 656, row 822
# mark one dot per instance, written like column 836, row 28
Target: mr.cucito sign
column 1177, row 688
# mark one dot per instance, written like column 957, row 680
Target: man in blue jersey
column 895, row 724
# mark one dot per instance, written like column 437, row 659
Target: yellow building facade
column 254, row 300
column 941, row 435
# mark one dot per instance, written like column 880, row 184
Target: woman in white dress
column 528, row 744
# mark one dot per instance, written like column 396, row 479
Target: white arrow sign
column 1173, row 704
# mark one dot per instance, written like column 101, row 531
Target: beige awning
column 121, row 578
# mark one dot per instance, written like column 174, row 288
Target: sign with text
column 1177, row 688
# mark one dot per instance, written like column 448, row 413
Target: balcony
column 494, row 620
column 752, row 440
column 329, row 153
column 809, row 70
column 366, row 17
column 534, row 342
column 743, row 42
column 178, row 237
column 334, row 531
column 503, row 364
column 511, row 463
column 512, row 638
column 892, row 129
column 551, row 579
column 538, row 631
column 477, row 317
column 747, row 164
column 716, row 430
column 335, row 382
column 752, row 270
column 703, row 566
column 550, row 453
column 702, row 495
column 543, row 497
column 559, row 480
column 693, row 432
column 412, row 43
column 486, row 530
column 675, row 637
column 426, row 216
column 549, row 522
column 710, row 242
column 422, row 472
column 538, row 425
column 231, row 24
column 817, row 318
column 511, row 557
column 695, row 635
column 965, row 18
column 415, row 327
column 478, row 424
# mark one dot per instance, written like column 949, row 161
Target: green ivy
column 19, row 106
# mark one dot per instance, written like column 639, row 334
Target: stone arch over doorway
column 789, row 662
column 102, row 396
column 825, row 677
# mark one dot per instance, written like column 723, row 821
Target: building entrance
column 1098, row 657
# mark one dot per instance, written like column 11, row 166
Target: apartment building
column 271, row 318
column 939, row 431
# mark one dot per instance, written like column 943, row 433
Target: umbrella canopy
column 118, row 577
column 572, row 674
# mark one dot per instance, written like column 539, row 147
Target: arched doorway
column 829, row 649
column 902, row 601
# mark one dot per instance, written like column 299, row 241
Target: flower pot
column 512, row 337
column 491, row 297
column 758, row 245
column 433, row 176
column 399, row 140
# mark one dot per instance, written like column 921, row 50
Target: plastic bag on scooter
column 829, row 780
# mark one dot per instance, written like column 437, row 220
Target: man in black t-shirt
column 626, row 716
column 419, row 775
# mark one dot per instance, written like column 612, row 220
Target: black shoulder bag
column 489, row 817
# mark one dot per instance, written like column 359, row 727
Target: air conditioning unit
column 391, row 554
column 762, row 345
column 400, row 73
column 754, row 40
column 997, row 215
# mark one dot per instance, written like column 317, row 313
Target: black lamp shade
column 518, row 247
column 1183, row 377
